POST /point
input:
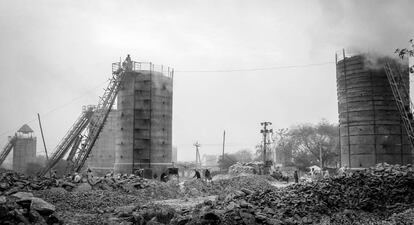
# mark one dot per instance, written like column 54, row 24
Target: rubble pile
column 104, row 200
column 381, row 190
column 226, row 186
column 146, row 214
column 90, row 201
column 244, row 168
column 23, row 207
column 155, row 189
column 402, row 218
column 12, row 182
column 120, row 182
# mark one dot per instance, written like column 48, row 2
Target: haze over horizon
column 56, row 57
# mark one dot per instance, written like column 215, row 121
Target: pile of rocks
column 381, row 190
column 123, row 182
column 226, row 186
column 105, row 200
column 12, row 182
column 23, row 207
column 245, row 168
column 146, row 214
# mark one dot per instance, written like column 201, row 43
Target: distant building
column 209, row 161
column 24, row 151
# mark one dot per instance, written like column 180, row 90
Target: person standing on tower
column 127, row 64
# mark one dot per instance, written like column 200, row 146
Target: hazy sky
column 56, row 56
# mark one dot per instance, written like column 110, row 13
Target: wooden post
column 43, row 138
column 224, row 141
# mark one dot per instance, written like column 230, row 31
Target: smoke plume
column 375, row 26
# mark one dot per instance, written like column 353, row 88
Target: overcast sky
column 55, row 56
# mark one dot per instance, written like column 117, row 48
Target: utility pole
column 265, row 131
column 43, row 138
column 224, row 141
column 198, row 161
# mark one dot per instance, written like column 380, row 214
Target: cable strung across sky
column 255, row 69
column 276, row 67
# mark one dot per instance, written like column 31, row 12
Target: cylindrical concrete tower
column 371, row 130
column 24, row 151
column 145, row 119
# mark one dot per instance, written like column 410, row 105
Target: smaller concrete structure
column 209, row 160
column 24, row 151
column 102, row 158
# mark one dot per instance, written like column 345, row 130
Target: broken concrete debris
column 383, row 194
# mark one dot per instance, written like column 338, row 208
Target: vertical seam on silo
column 339, row 116
column 401, row 122
column 374, row 119
column 339, row 142
column 171, row 111
column 150, row 120
column 401, row 139
column 133, row 121
column 347, row 111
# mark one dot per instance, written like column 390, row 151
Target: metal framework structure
column 81, row 137
column 198, row 159
column 68, row 140
column 402, row 98
column 6, row 150
column 265, row 131
column 98, row 120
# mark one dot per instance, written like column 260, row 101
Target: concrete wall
column 370, row 125
column 102, row 157
column 161, row 122
column 24, row 152
column 124, row 136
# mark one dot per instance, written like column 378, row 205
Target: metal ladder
column 6, row 150
column 98, row 121
column 400, row 96
column 68, row 139
column 91, row 121
column 75, row 148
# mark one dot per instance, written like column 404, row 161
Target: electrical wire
column 183, row 71
column 255, row 69
column 56, row 108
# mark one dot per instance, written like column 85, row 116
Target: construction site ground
column 381, row 195
column 87, row 206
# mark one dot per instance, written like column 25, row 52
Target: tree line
column 301, row 146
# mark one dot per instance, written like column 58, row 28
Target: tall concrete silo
column 371, row 130
column 24, row 150
column 145, row 119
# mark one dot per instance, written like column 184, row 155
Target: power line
column 255, row 69
column 55, row 109
column 185, row 71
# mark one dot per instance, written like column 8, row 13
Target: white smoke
column 375, row 26
column 376, row 61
